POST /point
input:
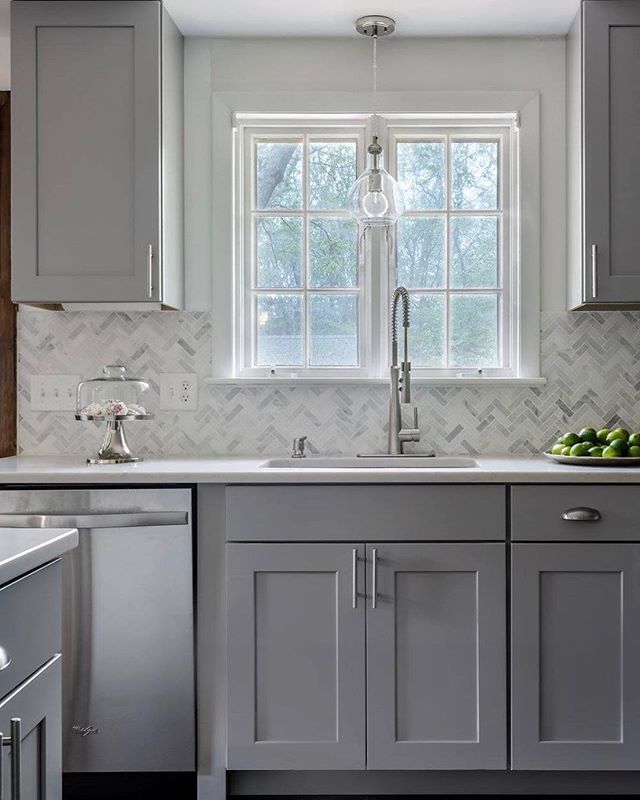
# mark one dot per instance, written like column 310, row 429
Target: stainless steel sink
column 368, row 462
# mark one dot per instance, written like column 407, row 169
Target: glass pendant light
column 375, row 199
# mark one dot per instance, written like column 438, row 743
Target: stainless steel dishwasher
column 128, row 643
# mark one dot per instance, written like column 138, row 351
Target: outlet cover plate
column 178, row 391
column 54, row 392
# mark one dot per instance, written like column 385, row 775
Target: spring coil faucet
column 400, row 379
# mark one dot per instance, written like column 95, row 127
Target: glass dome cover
column 113, row 396
column 376, row 199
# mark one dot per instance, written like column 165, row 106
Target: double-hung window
column 312, row 291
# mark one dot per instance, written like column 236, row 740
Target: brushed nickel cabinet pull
column 374, row 578
column 150, row 270
column 581, row 514
column 15, row 743
column 594, row 270
column 354, row 578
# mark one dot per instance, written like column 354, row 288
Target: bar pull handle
column 581, row 514
column 150, row 271
column 374, row 578
column 594, row 271
column 117, row 519
column 15, row 743
column 354, row 578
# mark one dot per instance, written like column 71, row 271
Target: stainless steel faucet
column 400, row 379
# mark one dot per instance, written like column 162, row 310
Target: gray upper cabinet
column 296, row 656
column 30, row 723
column 575, row 656
column 97, row 153
column 436, row 643
column 603, row 117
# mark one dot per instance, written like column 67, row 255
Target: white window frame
column 249, row 135
column 231, row 109
column 505, row 133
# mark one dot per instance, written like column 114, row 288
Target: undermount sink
column 371, row 462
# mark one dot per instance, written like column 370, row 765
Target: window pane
column 474, row 330
column 332, row 170
column 421, row 248
column 421, row 174
column 474, row 175
column 280, row 337
column 333, row 260
column 278, row 175
column 279, row 252
column 474, row 252
column 426, row 334
column 333, row 327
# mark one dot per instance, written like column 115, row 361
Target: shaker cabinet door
column 296, row 656
column 436, row 647
column 611, row 181
column 576, row 656
column 30, row 723
column 85, row 151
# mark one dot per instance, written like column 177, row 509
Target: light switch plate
column 54, row 392
column 179, row 391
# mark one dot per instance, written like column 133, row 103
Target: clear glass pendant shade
column 375, row 199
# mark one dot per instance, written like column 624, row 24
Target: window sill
column 415, row 381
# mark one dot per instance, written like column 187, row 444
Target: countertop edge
column 221, row 470
column 53, row 544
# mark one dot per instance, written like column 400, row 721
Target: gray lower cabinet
column 575, row 656
column 296, row 656
column 30, row 723
column 436, row 646
column 603, row 115
column 96, row 153
column 433, row 692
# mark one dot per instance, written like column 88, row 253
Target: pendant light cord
column 375, row 83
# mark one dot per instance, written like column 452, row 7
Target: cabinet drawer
column 30, row 624
column 365, row 513
column 537, row 513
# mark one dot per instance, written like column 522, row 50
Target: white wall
column 217, row 65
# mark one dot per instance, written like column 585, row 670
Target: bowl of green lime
column 592, row 447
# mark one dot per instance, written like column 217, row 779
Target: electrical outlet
column 179, row 391
column 54, row 392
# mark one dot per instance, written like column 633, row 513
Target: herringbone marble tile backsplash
column 591, row 362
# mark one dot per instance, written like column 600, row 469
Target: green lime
column 634, row 439
column 570, row 439
column 634, row 451
column 616, row 434
column 580, row 449
column 566, row 451
column 602, row 434
column 623, row 433
column 619, row 445
column 596, row 452
column 589, row 435
column 610, row 452
column 557, row 449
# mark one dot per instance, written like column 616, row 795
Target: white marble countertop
column 236, row 470
column 25, row 549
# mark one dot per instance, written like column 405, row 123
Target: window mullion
column 305, row 253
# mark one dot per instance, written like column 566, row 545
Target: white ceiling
column 336, row 17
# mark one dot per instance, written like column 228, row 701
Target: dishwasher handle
column 128, row 519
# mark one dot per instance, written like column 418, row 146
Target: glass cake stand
column 114, row 399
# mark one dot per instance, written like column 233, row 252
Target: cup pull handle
column 581, row 514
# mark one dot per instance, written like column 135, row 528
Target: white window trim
column 524, row 107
